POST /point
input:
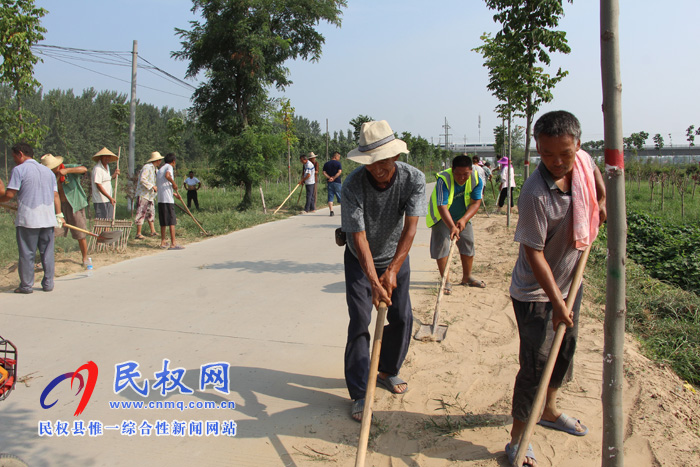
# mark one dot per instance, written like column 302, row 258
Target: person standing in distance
column 332, row 170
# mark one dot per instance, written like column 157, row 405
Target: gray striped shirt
column 545, row 224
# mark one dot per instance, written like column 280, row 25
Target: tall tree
column 356, row 124
column 240, row 47
column 615, row 300
column 528, row 36
column 658, row 141
column 690, row 135
column 20, row 29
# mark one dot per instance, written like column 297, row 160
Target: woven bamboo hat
column 51, row 161
column 377, row 142
column 155, row 156
column 105, row 152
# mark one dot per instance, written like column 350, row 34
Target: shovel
column 549, row 366
column 435, row 332
column 371, row 386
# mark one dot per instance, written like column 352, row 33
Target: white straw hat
column 51, row 161
column 155, row 156
column 377, row 142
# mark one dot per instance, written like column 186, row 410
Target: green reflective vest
column 433, row 216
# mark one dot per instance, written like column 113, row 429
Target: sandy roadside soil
column 457, row 410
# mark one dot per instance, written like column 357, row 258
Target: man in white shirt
column 308, row 179
column 102, row 184
column 38, row 212
column 192, row 184
column 167, row 190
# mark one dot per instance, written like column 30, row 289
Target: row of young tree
column 666, row 181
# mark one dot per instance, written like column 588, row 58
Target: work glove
column 60, row 220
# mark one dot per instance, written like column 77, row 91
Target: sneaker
column 332, row 214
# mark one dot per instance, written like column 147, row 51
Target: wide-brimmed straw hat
column 155, row 156
column 377, row 142
column 105, row 152
column 51, row 161
column 311, row 155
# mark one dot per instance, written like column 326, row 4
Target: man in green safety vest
column 455, row 200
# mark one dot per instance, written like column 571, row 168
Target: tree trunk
column 528, row 126
column 615, row 306
column 510, row 167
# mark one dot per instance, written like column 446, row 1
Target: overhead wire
column 116, row 58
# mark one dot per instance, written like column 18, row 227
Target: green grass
column 638, row 196
column 664, row 318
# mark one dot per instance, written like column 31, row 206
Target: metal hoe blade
column 425, row 333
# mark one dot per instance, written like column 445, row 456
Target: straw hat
column 105, row 152
column 377, row 142
column 311, row 155
column 51, row 161
column 155, row 156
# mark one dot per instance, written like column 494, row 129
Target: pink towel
column 583, row 192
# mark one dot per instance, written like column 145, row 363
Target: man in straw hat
column 382, row 201
column 102, row 184
column 38, row 212
column 146, row 192
column 72, row 196
column 561, row 205
column 308, row 179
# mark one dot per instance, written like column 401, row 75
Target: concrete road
column 268, row 300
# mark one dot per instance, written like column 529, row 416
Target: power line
column 107, row 57
column 119, row 79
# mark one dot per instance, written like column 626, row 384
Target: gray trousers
column 28, row 240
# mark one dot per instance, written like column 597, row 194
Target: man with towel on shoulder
column 561, row 206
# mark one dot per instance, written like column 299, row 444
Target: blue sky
column 410, row 62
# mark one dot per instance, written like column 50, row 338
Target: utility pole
column 326, row 140
column 132, row 116
column 446, row 134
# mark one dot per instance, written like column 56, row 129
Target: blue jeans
column 397, row 333
column 334, row 190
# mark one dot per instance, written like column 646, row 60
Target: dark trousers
column 28, row 240
column 192, row 196
column 310, row 198
column 536, row 336
column 504, row 194
column 397, row 334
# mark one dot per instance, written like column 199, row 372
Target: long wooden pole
column 116, row 183
column 371, row 386
column 285, row 199
column 549, row 366
column 615, row 301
